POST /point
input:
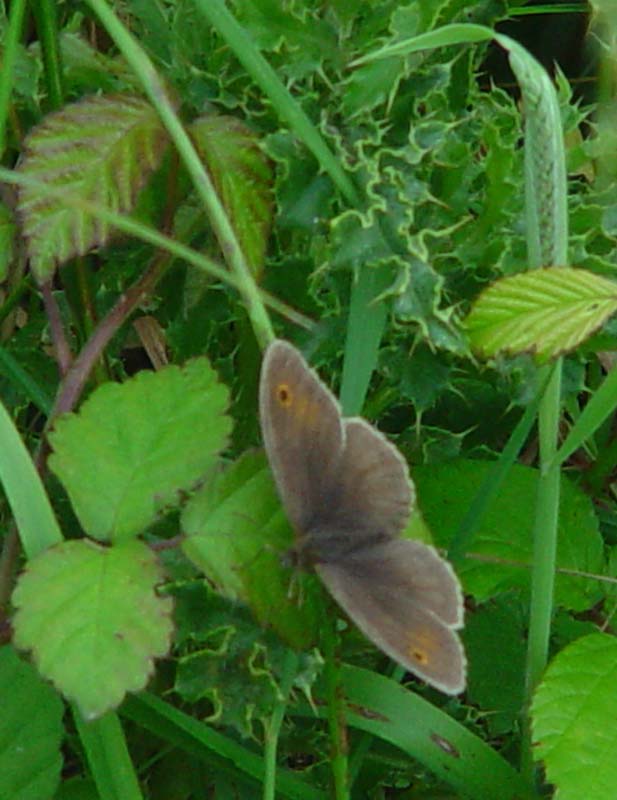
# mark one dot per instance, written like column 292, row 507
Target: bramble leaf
column 134, row 446
column 544, row 311
column 243, row 178
column 101, row 150
column 92, row 618
column 573, row 719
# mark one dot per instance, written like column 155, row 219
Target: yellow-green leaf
column 93, row 620
column 544, row 311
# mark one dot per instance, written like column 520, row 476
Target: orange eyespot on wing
column 421, row 648
column 284, row 395
column 302, row 409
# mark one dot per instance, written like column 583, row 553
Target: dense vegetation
column 428, row 214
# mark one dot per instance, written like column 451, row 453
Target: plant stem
column 45, row 12
column 337, row 723
column 273, row 727
column 544, row 555
column 547, row 244
column 81, row 368
column 12, row 36
column 61, row 345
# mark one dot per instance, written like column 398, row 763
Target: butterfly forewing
column 302, row 431
column 375, row 489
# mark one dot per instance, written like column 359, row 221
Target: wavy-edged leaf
column 92, row 619
column 102, row 149
column 132, row 447
column 501, row 551
column 31, row 731
column 574, row 719
column 243, row 177
column 232, row 666
column 217, row 751
column 544, row 311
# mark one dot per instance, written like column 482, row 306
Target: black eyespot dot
column 284, row 395
column 419, row 656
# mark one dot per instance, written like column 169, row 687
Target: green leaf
column 422, row 375
column 238, row 536
column 600, row 406
column 494, row 638
column 102, row 150
column 77, row 788
column 30, row 731
column 544, row 311
column 372, row 84
column 92, row 619
column 134, row 446
column 107, row 756
column 501, row 551
column 243, row 178
column 574, row 715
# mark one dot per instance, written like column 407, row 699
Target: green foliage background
column 399, row 180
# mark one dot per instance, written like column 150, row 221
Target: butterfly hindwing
column 408, row 612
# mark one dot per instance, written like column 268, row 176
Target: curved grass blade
column 597, row 410
column 36, row 523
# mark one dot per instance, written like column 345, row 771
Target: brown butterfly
column 347, row 493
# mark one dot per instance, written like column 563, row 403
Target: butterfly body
column 348, row 495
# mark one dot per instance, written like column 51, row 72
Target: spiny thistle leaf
column 92, row 618
column 544, row 311
column 101, row 150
